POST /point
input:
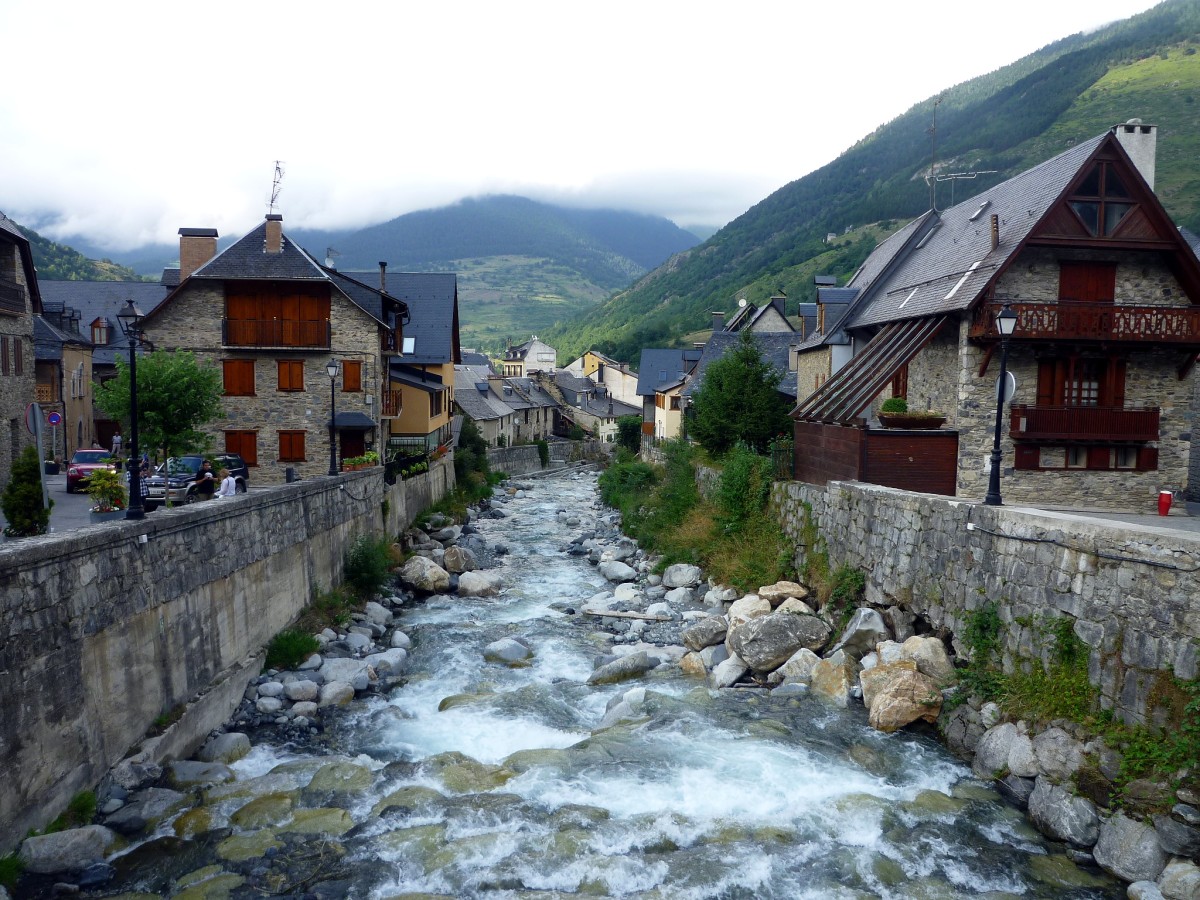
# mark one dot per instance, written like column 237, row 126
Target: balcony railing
column 391, row 403
column 12, row 296
column 1083, row 423
column 275, row 333
column 1078, row 321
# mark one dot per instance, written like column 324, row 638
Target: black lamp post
column 331, row 369
column 1006, row 324
column 131, row 323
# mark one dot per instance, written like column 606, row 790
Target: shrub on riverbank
column 732, row 535
column 367, row 565
column 290, row 648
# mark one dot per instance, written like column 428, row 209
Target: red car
column 83, row 464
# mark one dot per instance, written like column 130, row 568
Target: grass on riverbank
column 731, row 536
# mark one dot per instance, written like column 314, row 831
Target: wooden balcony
column 287, row 334
column 12, row 296
column 391, row 403
column 1101, row 322
column 1083, row 423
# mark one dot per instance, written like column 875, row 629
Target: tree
column 23, row 497
column 738, row 402
column 176, row 395
column 629, row 432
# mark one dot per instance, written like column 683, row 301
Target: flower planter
column 108, row 515
column 911, row 420
column 51, row 467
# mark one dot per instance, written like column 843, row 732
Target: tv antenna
column 953, row 177
column 275, row 186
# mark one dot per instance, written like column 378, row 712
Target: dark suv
column 175, row 481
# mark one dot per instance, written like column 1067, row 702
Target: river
column 488, row 781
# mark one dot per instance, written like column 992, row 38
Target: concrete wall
column 1134, row 593
column 104, row 629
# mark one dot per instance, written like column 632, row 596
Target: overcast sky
column 124, row 121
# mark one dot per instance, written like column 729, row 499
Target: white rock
column 377, row 613
column 479, row 584
column 75, row 848
column 312, row 663
column 749, row 607
column 268, row 705
column 401, row 640
column 681, row 575
column 613, row 570
column 306, row 708
column 301, row 690
column 335, row 693
column 270, row 689
column 728, row 672
column 389, row 661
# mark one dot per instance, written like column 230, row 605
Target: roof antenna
column 933, row 158
column 275, row 186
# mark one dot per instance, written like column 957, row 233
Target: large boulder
column 479, row 584
column 1129, row 849
column 64, row 851
column 615, row 570
column 459, row 559
column 1058, row 754
column 1061, row 815
column 799, row 667
column 681, row 575
column 225, row 748
column 1180, row 880
column 1004, row 749
column 335, row 693
column 425, row 575
column 728, row 672
column 631, row 666
column 389, row 662
column 833, row 679
column 777, row 593
column 876, row 678
column 865, row 629
column 749, row 607
column 931, row 658
column 705, row 633
column 906, row 697
column 355, row 672
column 508, row 651
column 765, row 643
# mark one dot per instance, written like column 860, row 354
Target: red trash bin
column 1164, row 502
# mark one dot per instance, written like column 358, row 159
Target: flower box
column 108, row 515
column 911, row 420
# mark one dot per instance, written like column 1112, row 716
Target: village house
column 272, row 320
column 620, row 381
column 1106, row 298
column 19, row 303
column 63, row 360
column 531, row 356
column 660, row 381
column 586, row 405
column 479, row 396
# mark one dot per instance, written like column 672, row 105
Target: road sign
column 1010, row 387
column 54, row 419
column 33, row 418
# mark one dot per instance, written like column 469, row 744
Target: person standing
column 116, row 445
column 206, row 482
column 228, row 484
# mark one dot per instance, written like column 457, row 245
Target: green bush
column 847, row 587
column 22, row 501
column 629, row 433
column 367, row 565
column 80, row 811
column 328, row 609
column 743, row 488
column 11, row 868
column 894, row 405
column 543, row 453
column 290, row 648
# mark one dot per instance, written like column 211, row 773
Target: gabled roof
column 476, row 404
column 48, row 339
column 657, row 366
column 247, row 258
column 370, row 300
column 9, row 229
column 776, row 348
column 432, row 299
column 476, row 359
column 103, row 300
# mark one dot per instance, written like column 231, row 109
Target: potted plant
column 108, row 495
column 894, row 413
column 370, row 458
column 51, row 464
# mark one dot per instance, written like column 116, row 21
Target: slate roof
column 953, row 261
column 658, row 366
column 9, row 227
column 247, row 258
column 103, row 299
column 476, row 359
column 417, row 378
column 775, row 346
column 478, row 405
column 527, row 394
column 432, row 299
column 48, row 339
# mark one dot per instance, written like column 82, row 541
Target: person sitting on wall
column 206, row 482
column 228, row 486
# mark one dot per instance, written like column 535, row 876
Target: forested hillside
column 58, row 262
column 1146, row 67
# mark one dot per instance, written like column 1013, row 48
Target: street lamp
column 131, row 323
column 331, row 369
column 1006, row 324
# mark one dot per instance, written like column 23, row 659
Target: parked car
column 83, row 463
column 175, row 479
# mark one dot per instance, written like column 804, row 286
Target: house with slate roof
column 271, row 318
column 63, row 365
column 1106, row 294
column 535, row 410
column 531, row 356
column 660, row 380
column 587, row 405
column 617, row 377
column 90, row 309
column 479, row 396
column 20, row 301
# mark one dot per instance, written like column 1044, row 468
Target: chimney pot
column 383, row 275
column 995, row 231
column 196, row 247
column 1140, row 141
column 718, row 321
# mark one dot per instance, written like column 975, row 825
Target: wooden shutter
column 1147, row 460
column 291, row 446
column 1027, row 456
column 1099, row 457
column 18, row 355
column 243, row 443
column 291, row 374
column 239, row 377
column 1114, row 384
column 1089, row 282
column 3, row 354
column 352, row 377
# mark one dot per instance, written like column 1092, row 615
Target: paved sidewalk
column 1184, row 516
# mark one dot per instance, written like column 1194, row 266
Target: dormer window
column 1101, row 201
column 100, row 332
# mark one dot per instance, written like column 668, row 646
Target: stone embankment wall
column 104, row 629
column 1133, row 592
column 524, row 459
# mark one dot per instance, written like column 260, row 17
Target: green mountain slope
column 1146, row 66
column 58, row 262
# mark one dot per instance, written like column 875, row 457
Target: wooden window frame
column 288, row 449
column 286, row 371
column 238, row 440
column 18, row 355
column 352, row 376
column 238, row 388
column 3, row 354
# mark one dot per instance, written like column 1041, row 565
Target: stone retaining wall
column 523, row 459
column 104, row 629
column 1133, row 592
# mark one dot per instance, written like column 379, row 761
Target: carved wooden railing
column 391, row 403
column 1083, row 423
column 1074, row 320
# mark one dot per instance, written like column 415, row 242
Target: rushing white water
column 731, row 794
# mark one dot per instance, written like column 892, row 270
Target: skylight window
column 409, row 346
column 979, row 212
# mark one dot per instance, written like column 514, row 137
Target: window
column 351, row 375
column 244, row 444
column 99, row 332
column 18, row 356
column 291, row 374
column 1081, row 381
column 900, row 382
column 1102, row 201
column 436, row 403
column 291, row 446
column 1127, row 457
column 3, row 354
column 239, row 378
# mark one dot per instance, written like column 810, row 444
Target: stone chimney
column 196, row 247
column 779, row 301
column 718, row 321
column 383, row 275
column 274, row 242
column 1140, row 142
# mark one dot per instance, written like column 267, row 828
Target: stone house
column 586, row 404
column 660, row 380
column 423, row 374
column 617, row 377
column 531, row 356
column 20, row 301
column 271, row 319
column 479, row 396
column 1106, row 294
column 535, row 410
column 63, row 363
